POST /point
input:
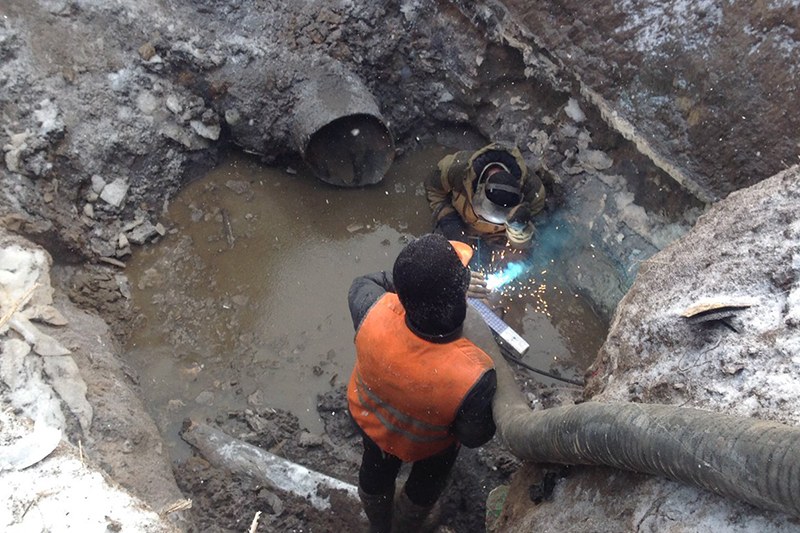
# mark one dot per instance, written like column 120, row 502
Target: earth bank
column 111, row 107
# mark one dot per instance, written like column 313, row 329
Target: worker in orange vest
column 419, row 389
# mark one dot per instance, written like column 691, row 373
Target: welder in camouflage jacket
column 489, row 193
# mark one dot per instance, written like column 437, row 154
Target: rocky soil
column 109, row 107
column 708, row 89
column 225, row 502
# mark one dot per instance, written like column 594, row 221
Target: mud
column 226, row 502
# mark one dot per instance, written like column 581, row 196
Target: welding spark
column 496, row 280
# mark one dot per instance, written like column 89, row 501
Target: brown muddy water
column 245, row 298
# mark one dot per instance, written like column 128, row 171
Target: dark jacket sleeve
column 365, row 291
column 534, row 192
column 474, row 423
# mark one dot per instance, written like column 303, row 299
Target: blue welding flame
column 512, row 271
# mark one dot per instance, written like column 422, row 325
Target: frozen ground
column 745, row 251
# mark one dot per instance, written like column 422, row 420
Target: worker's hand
column 477, row 286
column 520, row 237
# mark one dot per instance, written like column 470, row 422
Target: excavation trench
column 245, row 299
column 238, row 297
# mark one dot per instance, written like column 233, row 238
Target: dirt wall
column 745, row 252
column 708, row 89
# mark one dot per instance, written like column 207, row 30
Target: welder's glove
column 519, row 227
column 477, row 286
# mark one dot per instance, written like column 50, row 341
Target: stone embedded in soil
column 147, row 102
column 114, row 193
column 142, row 233
column 232, row 116
column 205, row 398
column 147, row 50
column 210, row 132
column 98, row 183
column 309, row 440
column 130, row 225
column 595, row 159
column 174, row 104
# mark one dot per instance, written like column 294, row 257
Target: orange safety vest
column 405, row 391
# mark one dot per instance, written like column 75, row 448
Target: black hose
column 508, row 354
column 755, row 461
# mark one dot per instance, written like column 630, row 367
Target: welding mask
column 496, row 194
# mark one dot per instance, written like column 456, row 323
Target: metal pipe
column 224, row 451
column 338, row 128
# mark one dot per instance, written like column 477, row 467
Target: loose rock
column 141, row 234
column 114, row 193
column 98, row 183
column 147, row 50
column 204, row 130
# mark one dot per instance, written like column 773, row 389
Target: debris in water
column 228, row 229
column 354, row 227
column 238, row 186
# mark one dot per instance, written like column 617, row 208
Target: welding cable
column 510, row 357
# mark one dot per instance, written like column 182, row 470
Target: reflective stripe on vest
column 405, row 391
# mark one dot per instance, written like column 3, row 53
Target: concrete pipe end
column 351, row 151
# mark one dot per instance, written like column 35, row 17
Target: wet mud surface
column 225, row 502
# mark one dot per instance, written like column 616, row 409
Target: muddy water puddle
column 245, row 298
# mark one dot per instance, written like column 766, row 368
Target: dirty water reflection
column 245, row 298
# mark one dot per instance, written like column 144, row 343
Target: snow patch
column 658, row 22
column 573, row 111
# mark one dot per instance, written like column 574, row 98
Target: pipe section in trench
column 338, row 128
column 755, row 461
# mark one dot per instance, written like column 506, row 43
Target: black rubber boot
column 378, row 509
column 410, row 517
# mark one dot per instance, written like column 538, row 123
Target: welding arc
column 510, row 357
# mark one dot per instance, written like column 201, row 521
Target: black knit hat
column 431, row 283
column 503, row 189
